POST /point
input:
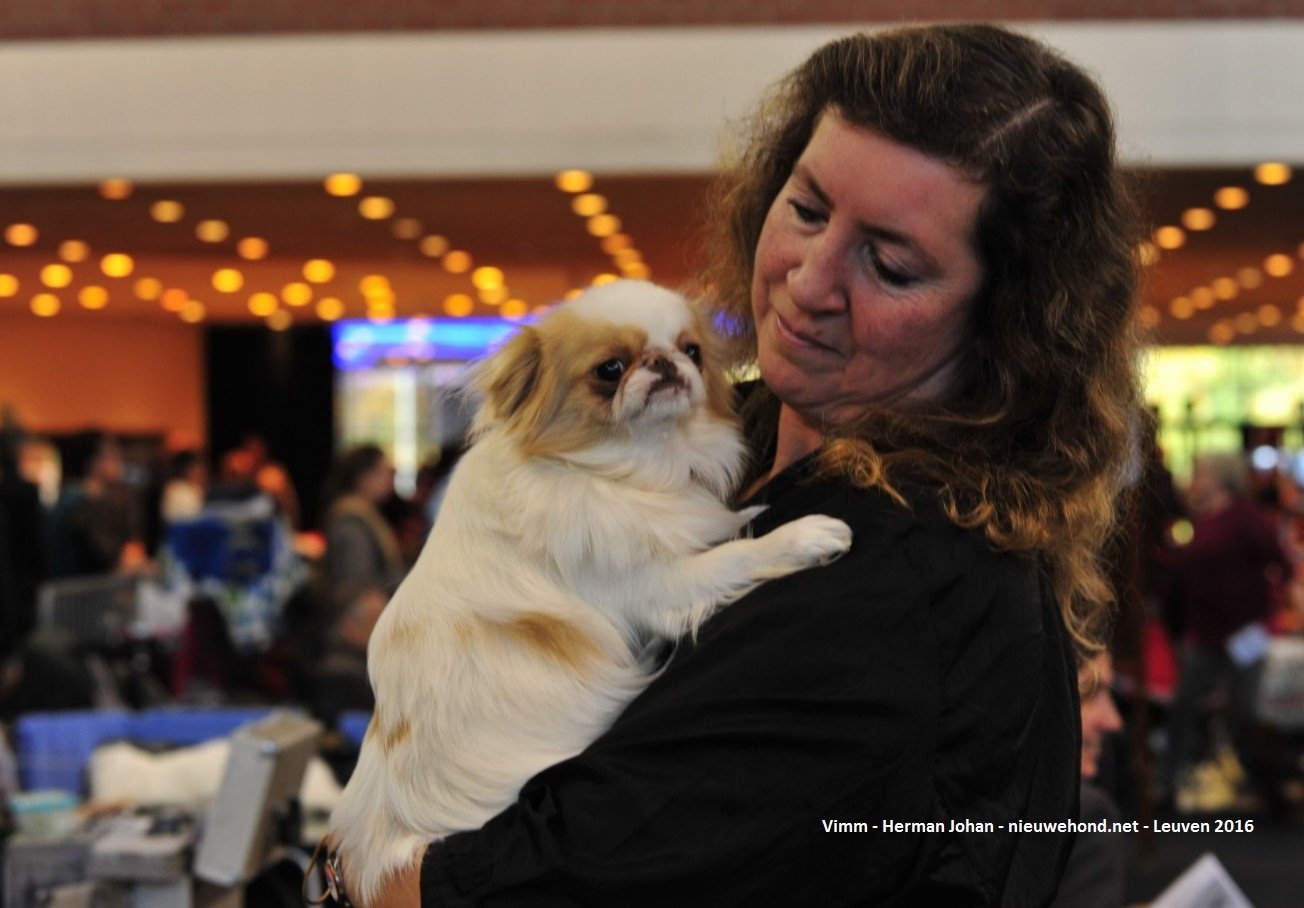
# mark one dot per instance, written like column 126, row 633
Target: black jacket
column 923, row 679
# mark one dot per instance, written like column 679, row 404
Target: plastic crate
column 53, row 748
column 182, row 726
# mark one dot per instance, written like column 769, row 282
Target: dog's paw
column 815, row 539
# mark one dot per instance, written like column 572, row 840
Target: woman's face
column 378, row 482
column 865, row 275
column 1099, row 716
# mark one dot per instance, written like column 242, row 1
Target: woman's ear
column 510, row 377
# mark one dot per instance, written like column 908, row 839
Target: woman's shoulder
column 910, row 564
column 907, row 529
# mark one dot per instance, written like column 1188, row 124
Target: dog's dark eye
column 611, row 370
column 693, row 352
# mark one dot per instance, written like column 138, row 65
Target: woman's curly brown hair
column 1030, row 446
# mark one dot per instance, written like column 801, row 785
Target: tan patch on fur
column 513, row 374
column 555, row 638
column 403, row 634
column 397, row 735
column 566, row 410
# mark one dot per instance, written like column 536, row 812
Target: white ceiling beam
column 445, row 104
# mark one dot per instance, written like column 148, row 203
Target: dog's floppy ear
column 512, row 374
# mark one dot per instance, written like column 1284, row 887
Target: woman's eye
column 895, row 278
column 889, row 275
column 693, row 352
column 805, row 213
column 610, row 371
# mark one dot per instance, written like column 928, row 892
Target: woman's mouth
column 795, row 338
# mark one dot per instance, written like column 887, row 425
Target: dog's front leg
column 701, row 583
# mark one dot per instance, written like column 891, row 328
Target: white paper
column 1205, row 884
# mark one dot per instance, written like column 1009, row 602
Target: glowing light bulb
column 433, row 246
column 173, row 299
column 1272, row 173
column 1231, row 198
column 74, row 251
column 117, row 264
column 574, row 180
column 193, row 312
column 330, row 309
column 376, row 207
column 601, row 225
column 93, row 297
column 116, row 189
column 319, row 271
column 1278, row 265
column 56, row 276
column 21, row 235
column 263, row 304
column 459, row 305
column 296, row 293
column 1197, row 219
column 252, row 248
column 457, row 261
column 406, row 228
column 148, row 288
column 45, row 305
column 343, row 184
column 588, row 204
column 1170, row 237
column 227, row 280
column 514, row 309
column 212, row 230
column 487, row 277
column 167, row 211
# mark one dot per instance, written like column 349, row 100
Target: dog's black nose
column 661, row 365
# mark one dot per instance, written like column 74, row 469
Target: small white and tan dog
column 587, row 517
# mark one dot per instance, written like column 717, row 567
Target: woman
column 362, row 552
column 927, row 249
column 1096, row 873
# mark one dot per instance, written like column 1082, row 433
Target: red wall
column 64, row 374
column 123, row 18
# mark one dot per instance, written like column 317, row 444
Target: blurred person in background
column 183, row 494
column 22, row 560
column 1222, row 596
column 96, row 526
column 1097, row 867
column 362, row 552
column 271, row 477
column 361, row 566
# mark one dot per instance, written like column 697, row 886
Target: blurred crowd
column 271, row 604
column 1210, row 577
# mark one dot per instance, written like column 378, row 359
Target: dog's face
column 619, row 361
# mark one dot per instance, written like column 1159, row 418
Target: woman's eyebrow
column 877, row 231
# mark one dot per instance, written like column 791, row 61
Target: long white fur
column 622, row 540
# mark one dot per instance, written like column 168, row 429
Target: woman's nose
column 815, row 282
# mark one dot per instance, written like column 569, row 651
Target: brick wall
column 20, row 19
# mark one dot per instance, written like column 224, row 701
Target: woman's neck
column 795, row 439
